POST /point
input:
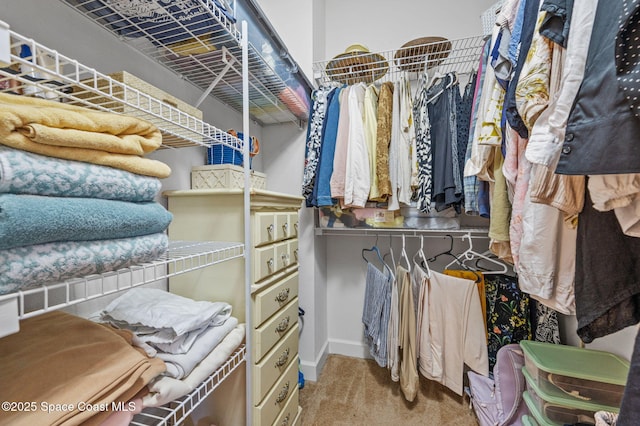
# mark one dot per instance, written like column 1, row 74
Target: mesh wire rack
column 202, row 45
column 488, row 17
column 459, row 55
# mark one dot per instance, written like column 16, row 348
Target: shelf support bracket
column 229, row 60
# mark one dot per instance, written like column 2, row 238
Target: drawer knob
column 284, row 324
column 283, row 295
column 285, row 228
column 295, row 226
column 295, row 253
column 285, row 421
column 283, row 359
column 285, row 259
column 283, row 394
column 270, row 264
column 270, row 230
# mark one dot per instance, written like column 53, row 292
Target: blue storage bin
column 222, row 154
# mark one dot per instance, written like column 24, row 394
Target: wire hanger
column 457, row 259
column 390, row 253
column 420, row 259
column 470, row 254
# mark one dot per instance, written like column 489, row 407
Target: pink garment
column 516, row 170
column 342, row 145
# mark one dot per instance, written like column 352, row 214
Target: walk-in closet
column 319, row 212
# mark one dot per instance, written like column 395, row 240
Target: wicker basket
column 172, row 134
column 224, row 176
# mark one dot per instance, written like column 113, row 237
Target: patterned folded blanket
column 76, row 133
column 22, row 172
column 32, row 266
column 35, row 219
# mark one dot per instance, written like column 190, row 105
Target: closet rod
column 433, row 233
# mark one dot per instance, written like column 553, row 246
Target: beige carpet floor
column 353, row 392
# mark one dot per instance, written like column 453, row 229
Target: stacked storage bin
column 568, row 385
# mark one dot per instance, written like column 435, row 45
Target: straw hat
column 413, row 54
column 357, row 64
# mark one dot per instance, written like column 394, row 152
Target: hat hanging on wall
column 413, row 55
column 357, row 64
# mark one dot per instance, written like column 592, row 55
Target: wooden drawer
column 264, row 229
column 293, row 224
column 274, row 363
column 283, row 256
column 291, row 412
column 275, row 401
column 296, row 421
column 283, row 227
column 269, row 300
column 273, row 329
column 265, row 262
column 293, row 251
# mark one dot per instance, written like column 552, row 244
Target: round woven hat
column 413, row 55
column 356, row 65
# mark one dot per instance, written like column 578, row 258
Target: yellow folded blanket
column 76, row 133
column 70, row 370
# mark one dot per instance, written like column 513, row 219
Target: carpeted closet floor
column 353, row 392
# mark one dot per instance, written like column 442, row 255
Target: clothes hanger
column 470, row 254
column 390, row 253
column 420, row 259
column 457, row 259
column 376, row 250
column 403, row 255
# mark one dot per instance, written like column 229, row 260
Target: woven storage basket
column 224, row 176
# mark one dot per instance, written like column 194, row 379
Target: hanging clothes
column 451, row 331
column 357, row 180
column 370, row 125
column 423, row 145
column 383, row 139
column 478, row 278
column 375, row 313
column 441, row 106
column 337, row 180
column 322, row 187
column 409, row 379
column 320, row 97
column 508, row 313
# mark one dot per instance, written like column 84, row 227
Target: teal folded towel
column 33, row 219
column 23, row 172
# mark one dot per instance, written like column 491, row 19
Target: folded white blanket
column 164, row 320
column 180, row 365
column 166, row 389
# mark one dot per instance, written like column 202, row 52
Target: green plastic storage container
column 528, row 421
column 559, row 407
column 585, row 374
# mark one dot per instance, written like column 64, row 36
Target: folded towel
column 164, row 389
column 22, row 172
column 180, row 365
column 166, row 321
column 58, row 358
column 76, row 133
column 35, row 219
column 32, row 266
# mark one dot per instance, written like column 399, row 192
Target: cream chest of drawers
column 217, row 215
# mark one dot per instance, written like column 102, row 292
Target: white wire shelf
column 177, row 411
column 204, row 48
column 181, row 257
column 65, row 79
column 407, row 232
column 459, row 55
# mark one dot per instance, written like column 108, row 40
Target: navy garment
column 556, row 23
column 628, row 53
column 322, row 188
column 602, row 130
column 607, row 280
column 528, row 26
column 442, row 121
